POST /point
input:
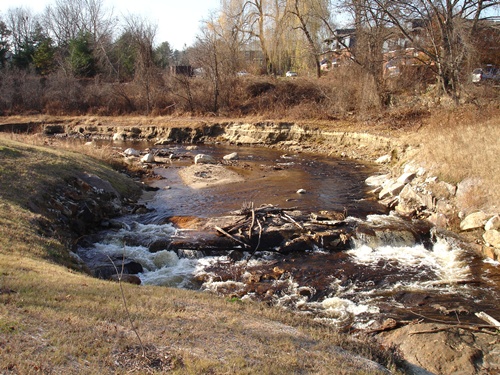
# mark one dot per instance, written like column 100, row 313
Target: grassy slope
column 54, row 320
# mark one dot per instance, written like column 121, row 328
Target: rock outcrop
column 414, row 194
column 434, row 349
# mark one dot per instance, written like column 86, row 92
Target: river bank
column 407, row 184
column 391, row 155
column 56, row 320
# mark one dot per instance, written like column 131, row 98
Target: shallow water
column 348, row 289
column 272, row 177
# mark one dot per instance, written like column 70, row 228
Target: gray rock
column 384, row 159
column 405, row 178
column 204, row 159
column 409, row 201
column 391, row 190
column 148, row 158
column 438, row 220
column 377, row 180
column 131, row 152
column 441, row 352
column 163, row 141
column 98, row 184
column 233, row 156
column 120, row 136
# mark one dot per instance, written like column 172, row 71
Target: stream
column 355, row 288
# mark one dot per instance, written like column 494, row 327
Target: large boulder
column 474, row 221
column 493, row 223
column 431, row 349
column 204, row 159
column 492, row 237
column 410, row 201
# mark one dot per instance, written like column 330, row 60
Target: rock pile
column 415, row 194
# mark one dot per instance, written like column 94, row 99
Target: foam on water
column 163, row 267
column 443, row 260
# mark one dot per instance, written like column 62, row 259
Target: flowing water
column 351, row 288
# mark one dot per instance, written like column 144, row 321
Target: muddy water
column 272, row 177
column 353, row 289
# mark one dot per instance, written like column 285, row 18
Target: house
column 186, row 70
column 398, row 50
column 340, row 47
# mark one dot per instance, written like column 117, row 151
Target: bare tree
column 22, row 24
column 250, row 17
column 445, row 31
column 309, row 15
column 142, row 35
column 208, row 56
column 68, row 20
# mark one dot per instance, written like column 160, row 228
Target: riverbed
column 354, row 288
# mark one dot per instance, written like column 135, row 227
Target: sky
column 178, row 20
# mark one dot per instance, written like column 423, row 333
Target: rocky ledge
column 412, row 192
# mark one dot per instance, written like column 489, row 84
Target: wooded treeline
column 78, row 57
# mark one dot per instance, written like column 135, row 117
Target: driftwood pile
column 285, row 230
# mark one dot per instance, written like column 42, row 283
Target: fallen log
column 231, row 237
column 488, row 319
column 331, row 223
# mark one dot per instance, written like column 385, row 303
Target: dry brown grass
column 55, row 320
column 463, row 144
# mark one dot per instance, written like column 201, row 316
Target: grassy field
column 462, row 144
column 55, row 320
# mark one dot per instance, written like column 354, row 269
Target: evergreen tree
column 163, row 55
column 43, row 57
column 4, row 43
column 81, row 58
column 124, row 56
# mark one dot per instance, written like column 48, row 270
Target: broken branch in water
column 288, row 217
column 488, row 319
column 450, row 325
column 251, row 224
column 231, row 236
column 477, row 328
